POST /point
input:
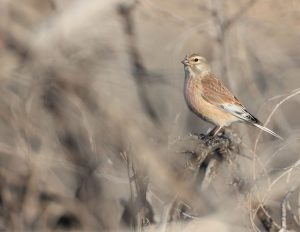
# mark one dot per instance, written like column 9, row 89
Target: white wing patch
column 240, row 112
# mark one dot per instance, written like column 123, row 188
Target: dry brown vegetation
column 95, row 134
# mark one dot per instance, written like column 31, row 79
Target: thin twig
column 283, row 211
column 272, row 113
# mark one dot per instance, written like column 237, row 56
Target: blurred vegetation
column 95, row 134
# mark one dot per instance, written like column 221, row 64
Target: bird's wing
column 214, row 92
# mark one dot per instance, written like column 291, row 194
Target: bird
column 208, row 98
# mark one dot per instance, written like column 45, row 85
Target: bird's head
column 196, row 65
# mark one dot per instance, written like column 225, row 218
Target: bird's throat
column 196, row 72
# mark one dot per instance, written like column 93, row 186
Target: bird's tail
column 267, row 130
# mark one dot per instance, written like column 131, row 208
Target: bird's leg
column 210, row 136
column 215, row 131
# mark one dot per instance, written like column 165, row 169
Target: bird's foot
column 213, row 138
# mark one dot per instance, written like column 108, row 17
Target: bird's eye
column 196, row 59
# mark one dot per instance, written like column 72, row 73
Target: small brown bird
column 209, row 99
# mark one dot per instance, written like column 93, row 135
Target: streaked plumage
column 208, row 98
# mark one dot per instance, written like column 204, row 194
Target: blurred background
column 87, row 84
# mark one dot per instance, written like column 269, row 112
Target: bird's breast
column 193, row 94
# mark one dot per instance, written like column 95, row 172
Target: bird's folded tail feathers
column 267, row 130
column 240, row 112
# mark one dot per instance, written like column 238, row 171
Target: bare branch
column 229, row 22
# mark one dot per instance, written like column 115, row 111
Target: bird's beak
column 185, row 61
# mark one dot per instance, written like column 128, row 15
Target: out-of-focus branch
column 286, row 207
column 266, row 220
column 283, row 211
column 138, row 69
column 222, row 25
column 137, row 211
column 230, row 21
column 209, row 174
column 203, row 149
